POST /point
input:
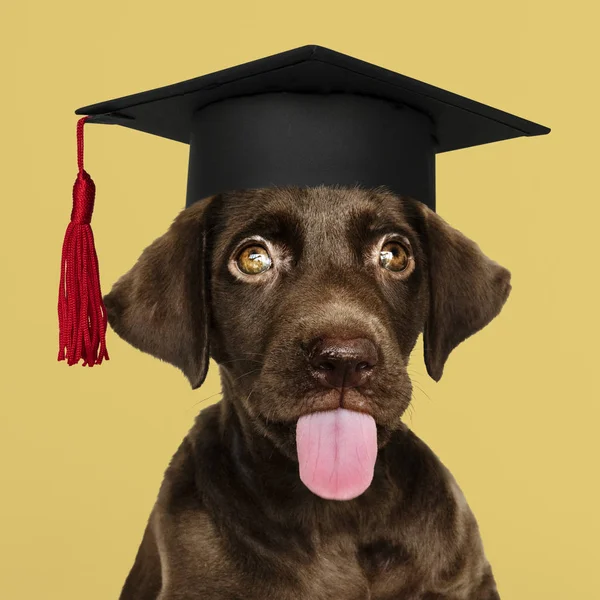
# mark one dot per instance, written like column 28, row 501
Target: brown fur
column 232, row 519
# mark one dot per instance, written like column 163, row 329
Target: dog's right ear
column 160, row 305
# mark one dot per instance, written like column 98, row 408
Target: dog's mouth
column 336, row 450
column 334, row 434
column 334, row 441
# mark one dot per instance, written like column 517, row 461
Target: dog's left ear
column 160, row 305
column 466, row 290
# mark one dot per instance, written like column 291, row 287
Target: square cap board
column 311, row 116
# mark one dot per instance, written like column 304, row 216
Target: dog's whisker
column 221, row 392
column 250, row 394
column 238, row 360
column 410, row 412
column 207, row 398
column 422, row 391
column 247, row 373
column 413, row 371
column 268, row 415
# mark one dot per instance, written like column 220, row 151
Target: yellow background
column 515, row 416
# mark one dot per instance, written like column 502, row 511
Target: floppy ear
column 160, row 305
column 466, row 290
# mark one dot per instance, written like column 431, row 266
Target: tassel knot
column 84, row 192
column 81, row 311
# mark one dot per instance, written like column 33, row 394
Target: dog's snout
column 342, row 363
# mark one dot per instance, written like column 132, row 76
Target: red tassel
column 81, row 312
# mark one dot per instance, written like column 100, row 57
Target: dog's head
column 308, row 299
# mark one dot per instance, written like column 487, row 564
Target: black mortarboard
column 311, row 116
column 305, row 117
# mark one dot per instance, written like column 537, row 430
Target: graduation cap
column 305, row 117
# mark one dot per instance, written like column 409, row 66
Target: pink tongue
column 336, row 451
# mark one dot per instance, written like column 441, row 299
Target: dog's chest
column 332, row 567
column 345, row 568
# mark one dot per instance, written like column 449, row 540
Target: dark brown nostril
column 325, row 366
column 342, row 363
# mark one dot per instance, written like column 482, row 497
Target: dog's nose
column 342, row 363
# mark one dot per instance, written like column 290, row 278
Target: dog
column 302, row 482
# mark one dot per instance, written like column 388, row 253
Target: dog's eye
column 253, row 260
column 393, row 256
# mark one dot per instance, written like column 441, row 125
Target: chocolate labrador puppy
column 303, row 483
